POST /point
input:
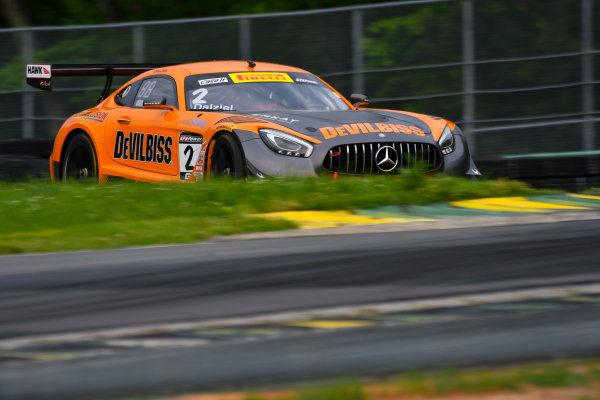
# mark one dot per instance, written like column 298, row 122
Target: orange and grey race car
column 239, row 118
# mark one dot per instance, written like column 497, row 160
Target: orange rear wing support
column 40, row 75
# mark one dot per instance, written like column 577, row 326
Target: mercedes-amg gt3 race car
column 190, row 121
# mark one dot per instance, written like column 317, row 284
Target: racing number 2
column 190, row 145
column 189, row 153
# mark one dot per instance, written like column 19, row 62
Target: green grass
column 583, row 374
column 39, row 216
column 351, row 390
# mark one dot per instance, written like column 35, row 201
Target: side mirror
column 158, row 103
column 359, row 100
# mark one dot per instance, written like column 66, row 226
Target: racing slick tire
column 227, row 159
column 80, row 162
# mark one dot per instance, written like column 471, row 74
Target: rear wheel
column 80, row 163
column 227, row 158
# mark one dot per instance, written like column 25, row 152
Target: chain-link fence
column 517, row 75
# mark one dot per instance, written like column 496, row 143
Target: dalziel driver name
column 143, row 147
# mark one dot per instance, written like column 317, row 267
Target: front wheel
column 227, row 158
column 80, row 162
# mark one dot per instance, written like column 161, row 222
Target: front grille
column 359, row 158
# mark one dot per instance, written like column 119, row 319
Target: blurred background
column 518, row 75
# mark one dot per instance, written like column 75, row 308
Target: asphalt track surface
column 53, row 294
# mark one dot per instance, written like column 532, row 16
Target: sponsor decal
column 39, row 71
column 226, row 127
column 330, row 132
column 160, row 71
column 302, row 80
column 213, row 107
column 199, row 168
column 190, row 138
column 244, row 77
column 145, row 147
column 212, row 81
column 194, row 122
column 97, row 116
column 275, row 118
column 190, row 145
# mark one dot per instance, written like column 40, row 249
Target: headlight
column 447, row 141
column 285, row 144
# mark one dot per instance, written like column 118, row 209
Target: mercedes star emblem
column 386, row 158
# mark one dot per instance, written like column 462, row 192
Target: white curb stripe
column 381, row 308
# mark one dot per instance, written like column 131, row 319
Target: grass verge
column 39, row 216
column 532, row 381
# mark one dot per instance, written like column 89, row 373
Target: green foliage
column 399, row 36
column 341, row 391
column 78, row 12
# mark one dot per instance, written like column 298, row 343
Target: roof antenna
column 251, row 64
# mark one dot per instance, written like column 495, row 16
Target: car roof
column 207, row 67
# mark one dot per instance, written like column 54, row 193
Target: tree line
column 18, row 13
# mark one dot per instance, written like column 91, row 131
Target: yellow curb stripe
column 326, row 216
column 523, row 202
column 330, row 324
column 585, row 196
column 489, row 207
column 515, row 204
column 315, row 219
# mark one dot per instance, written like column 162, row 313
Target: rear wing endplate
column 40, row 75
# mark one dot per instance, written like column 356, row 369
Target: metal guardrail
column 354, row 24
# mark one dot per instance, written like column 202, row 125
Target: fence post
column 245, row 39
column 587, row 74
column 358, row 81
column 27, row 106
column 138, row 44
column 468, row 49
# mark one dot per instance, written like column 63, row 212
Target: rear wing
column 40, row 75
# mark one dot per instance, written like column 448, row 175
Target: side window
column 156, row 87
column 125, row 97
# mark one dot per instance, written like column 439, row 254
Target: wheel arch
column 65, row 144
column 69, row 138
column 211, row 144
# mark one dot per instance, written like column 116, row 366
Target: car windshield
column 252, row 91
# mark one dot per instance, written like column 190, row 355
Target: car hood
column 328, row 125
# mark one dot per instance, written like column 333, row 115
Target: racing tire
column 227, row 159
column 80, row 162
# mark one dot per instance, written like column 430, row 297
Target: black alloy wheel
column 80, row 163
column 227, row 159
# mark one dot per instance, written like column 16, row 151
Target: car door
column 141, row 137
